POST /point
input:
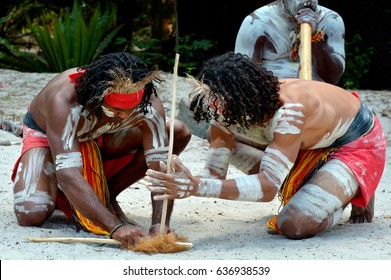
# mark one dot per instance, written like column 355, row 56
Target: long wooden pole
column 305, row 52
column 171, row 139
column 88, row 240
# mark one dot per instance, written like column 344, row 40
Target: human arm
column 328, row 44
column 155, row 144
column 276, row 163
column 62, row 119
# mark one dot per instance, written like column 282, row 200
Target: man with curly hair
column 315, row 144
column 87, row 136
column 270, row 35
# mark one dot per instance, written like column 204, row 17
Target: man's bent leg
column 35, row 187
column 318, row 205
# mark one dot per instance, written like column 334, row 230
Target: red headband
column 124, row 100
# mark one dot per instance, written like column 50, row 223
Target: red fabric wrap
column 366, row 157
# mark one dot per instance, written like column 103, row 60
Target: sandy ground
column 218, row 229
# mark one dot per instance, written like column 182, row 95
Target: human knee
column 294, row 225
column 182, row 132
column 32, row 209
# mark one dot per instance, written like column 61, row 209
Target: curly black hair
column 247, row 91
column 91, row 85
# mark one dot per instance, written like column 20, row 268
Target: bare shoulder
column 315, row 93
column 57, row 93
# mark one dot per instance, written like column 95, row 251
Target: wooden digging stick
column 171, row 139
column 88, row 240
column 305, row 51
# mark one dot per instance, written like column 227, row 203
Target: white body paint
column 338, row 131
column 218, row 160
column 30, row 199
column 185, row 187
column 69, row 132
column 156, row 155
column 286, row 119
column 107, row 112
column 249, row 188
column 272, row 24
column 68, row 160
column 37, row 202
column 315, row 202
column 244, row 160
column 276, row 166
column 209, row 188
column 342, row 173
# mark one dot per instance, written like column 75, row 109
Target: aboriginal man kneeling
column 315, row 144
column 87, row 136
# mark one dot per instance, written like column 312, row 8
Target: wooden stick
column 75, row 240
column 305, row 51
column 88, row 240
column 171, row 139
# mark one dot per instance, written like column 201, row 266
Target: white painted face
column 293, row 6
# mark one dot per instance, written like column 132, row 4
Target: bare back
column 324, row 107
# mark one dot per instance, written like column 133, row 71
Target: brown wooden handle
column 305, row 51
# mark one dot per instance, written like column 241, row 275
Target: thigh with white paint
column 35, row 187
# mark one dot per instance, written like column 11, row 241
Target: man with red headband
column 87, row 136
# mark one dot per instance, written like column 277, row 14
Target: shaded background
column 219, row 21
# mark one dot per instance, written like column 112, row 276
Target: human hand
column 309, row 16
column 180, row 184
column 128, row 235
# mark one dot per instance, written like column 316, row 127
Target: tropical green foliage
column 12, row 58
column 68, row 41
column 192, row 52
column 358, row 61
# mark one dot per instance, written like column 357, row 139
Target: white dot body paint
column 209, row 188
column 249, row 188
column 342, row 173
column 70, row 129
column 68, row 160
column 156, row 155
column 276, row 166
column 185, row 187
column 312, row 201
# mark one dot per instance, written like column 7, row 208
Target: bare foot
column 121, row 215
column 363, row 215
column 155, row 229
